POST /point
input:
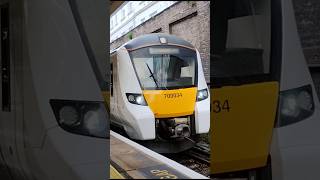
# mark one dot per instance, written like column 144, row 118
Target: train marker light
column 202, row 94
column 69, row 116
column 131, row 98
column 139, row 99
column 136, row 99
column 87, row 118
column 92, row 122
column 295, row 105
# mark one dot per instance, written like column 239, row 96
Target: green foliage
column 130, row 35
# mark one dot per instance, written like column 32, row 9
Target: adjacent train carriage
column 53, row 120
column 265, row 110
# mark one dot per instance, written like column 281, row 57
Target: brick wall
column 308, row 22
column 187, row 19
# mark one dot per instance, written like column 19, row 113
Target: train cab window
column 5, row 58
column 165, row 67
column 241, row 37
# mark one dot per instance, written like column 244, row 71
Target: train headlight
column 295, row 105
column 82, row 117
column 92, row 122
column 202, row 94
column 68, row 115
column 136, row 99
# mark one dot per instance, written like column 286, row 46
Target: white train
column 158, row 89
column 53, row 121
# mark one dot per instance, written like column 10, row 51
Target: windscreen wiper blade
column 151, row 75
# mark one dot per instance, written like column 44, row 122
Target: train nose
column 167, row 103
column 174, row 128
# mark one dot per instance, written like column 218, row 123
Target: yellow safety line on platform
column 114, row 174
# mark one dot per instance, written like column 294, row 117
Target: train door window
column 5, row 58
column 241, row 38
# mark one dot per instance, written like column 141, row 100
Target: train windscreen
column 242, row 36
column 165, row 67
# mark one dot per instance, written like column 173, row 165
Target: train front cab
column 265, row 110
column 159, row 88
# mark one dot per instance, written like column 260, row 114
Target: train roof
column 154, row 39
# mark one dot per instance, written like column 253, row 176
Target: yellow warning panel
column 242, row 120
column 106, row 97
column 171, row 103
column 114, row 174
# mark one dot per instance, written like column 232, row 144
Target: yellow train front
column 158, row 90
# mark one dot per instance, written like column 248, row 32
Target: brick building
column 307, row 15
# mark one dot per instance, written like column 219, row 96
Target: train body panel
column 127, row 113
column 51, row 61
column 171, row 103
column 295, row 144
column 202, row 116
column 238, row 110
column 202, row 108
column 202, row 83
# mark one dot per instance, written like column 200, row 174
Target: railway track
column 202, row 152
column 197, row 159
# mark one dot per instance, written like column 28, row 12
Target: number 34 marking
column 219, row 106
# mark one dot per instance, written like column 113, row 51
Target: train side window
column 5, row 58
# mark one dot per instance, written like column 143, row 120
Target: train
column 54, row 123
column 265, row 107
column 158, row 91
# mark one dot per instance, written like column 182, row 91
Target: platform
column 131, row 160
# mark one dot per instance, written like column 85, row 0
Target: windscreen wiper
column 151, row 75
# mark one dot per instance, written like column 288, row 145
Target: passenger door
column 8, row 121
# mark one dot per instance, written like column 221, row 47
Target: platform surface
column 132, row 160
